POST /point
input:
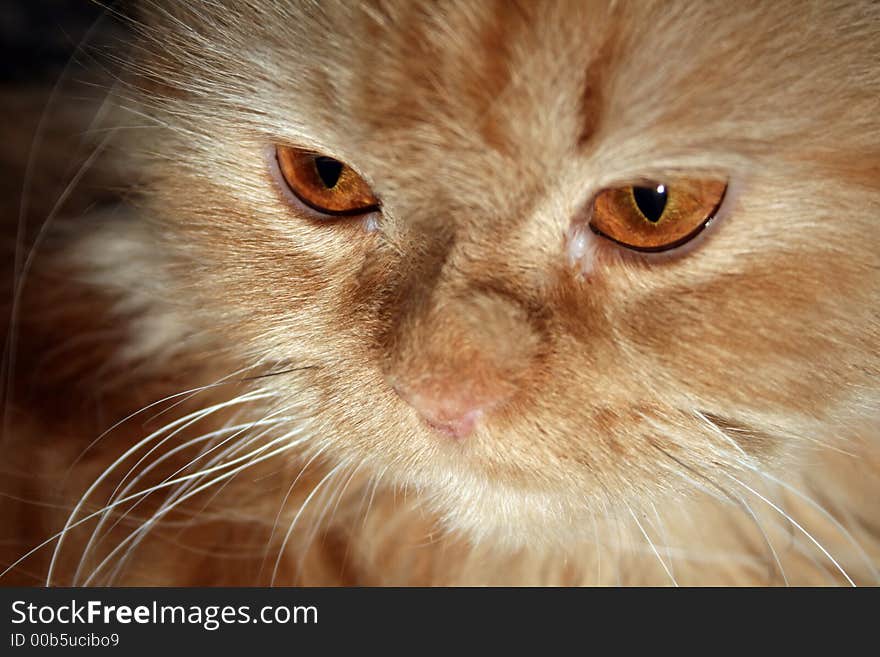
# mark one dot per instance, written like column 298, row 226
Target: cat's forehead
column 638, row 88
column 480, row 74
column 565, row 76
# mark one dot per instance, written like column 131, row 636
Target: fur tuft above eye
column 325, row 184
column 656, row 217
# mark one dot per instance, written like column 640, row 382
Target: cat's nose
column 463, row 358
column 451, row 411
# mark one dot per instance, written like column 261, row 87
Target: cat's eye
column 325, row 184
column 658, row 216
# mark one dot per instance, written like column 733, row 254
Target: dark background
column 38, row 37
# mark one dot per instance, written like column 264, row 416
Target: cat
column 460, row 293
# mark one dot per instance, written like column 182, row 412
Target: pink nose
column 454, row 413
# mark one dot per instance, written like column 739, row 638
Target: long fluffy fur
column 704, row 419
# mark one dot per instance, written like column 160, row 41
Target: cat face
column 475, row 337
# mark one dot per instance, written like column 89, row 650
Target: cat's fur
column 708, row 418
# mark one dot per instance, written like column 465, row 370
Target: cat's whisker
column 24, row 270
column 250, row 462
column 653, row 546
column 751, row 465
column 375, row 485
column 54, row 506
column 317, row 522
column 664, row 536
column 159, row 123
column 123, row 498
column 225, row 380
column 117, row 128
column 186, row 393
column 354, row 472
column 182, row 399
column 130, row 452
column 269, row 420
column 241, row 399
column 296, row 518
column 828, row 516
column 765, row 538
column 232, row 450
column 243, row 553
column 363, row 510
column 689, row 473
column 715, row 429
column 239, row 429
column 72, row 525
column 714, row 488
column 94, row 539
column 218, row 462
column 780, row 433
column 323, row 519
column 795, row 524
column 283, row 504
column 290, row 370
column 798, row 546
column 174, row 493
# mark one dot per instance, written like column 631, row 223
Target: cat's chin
column 533, row 522
column 509, row 517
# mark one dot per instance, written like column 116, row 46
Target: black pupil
column 328, row 170
column 651, row 201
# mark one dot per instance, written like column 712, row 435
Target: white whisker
column 653, row 547
column 296, row 519
column 284, row 503
column 132, row 450
column 163, row 511
column 215, row 464
column 837, row 524
column 118, row 424
column 238, row 429
column 797, row 525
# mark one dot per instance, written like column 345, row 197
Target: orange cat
column 450, row 293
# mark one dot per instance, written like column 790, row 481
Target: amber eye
column 656, row 217
column 325, row 184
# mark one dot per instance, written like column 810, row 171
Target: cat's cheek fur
column 118, row 257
